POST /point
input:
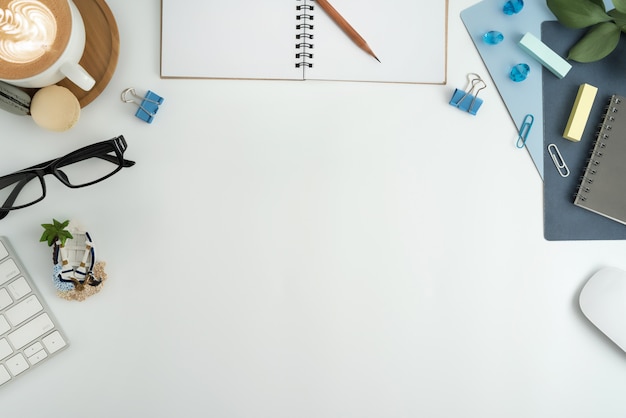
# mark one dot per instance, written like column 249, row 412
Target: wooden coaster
column 102, row 48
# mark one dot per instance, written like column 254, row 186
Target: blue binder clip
column 148, row 107
column 468, row 101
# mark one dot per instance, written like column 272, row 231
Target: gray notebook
column 603, row 186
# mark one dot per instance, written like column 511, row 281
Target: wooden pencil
column 346, row 27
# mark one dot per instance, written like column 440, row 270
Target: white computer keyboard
column 29, row 334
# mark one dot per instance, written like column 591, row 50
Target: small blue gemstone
column 513, row 7
column 519, row 72
column 493, row 37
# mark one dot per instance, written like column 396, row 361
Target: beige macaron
column 55, row 108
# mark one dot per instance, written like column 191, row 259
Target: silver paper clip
column 524, row 130
column 558, row 160
column 148, row 105
column 468, row 100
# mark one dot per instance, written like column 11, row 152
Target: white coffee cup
column 41, row 43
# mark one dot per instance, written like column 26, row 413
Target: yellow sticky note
column 580, row 112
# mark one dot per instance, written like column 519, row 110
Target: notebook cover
column 603, row 188
column 562, row 219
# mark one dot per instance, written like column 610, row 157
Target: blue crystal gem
column 513, row 7
column 493, row 37
column 519, row 72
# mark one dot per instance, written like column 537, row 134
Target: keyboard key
column 23, row 310
column 33, row 349
column 37, row 357
column 8, row 270
column 4, row 375
column 4, row 325
column 17, row 364
column 31, row 330
column 5, row 299
column 54, row 342
column 19, row 288
column 3, row 251
column 5, row 349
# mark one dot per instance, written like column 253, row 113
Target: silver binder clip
column 148, row 105
column 468, row 101
column 558, row 160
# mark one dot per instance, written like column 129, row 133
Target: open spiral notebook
column 296, row 40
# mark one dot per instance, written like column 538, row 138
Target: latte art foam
column 27, row 31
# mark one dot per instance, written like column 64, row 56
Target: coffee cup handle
column 78, row 75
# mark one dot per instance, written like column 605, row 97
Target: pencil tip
column 377, row 59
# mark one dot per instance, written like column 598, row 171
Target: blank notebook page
column 409, row 38
column 229, row 39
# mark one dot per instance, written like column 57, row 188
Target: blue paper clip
column 524, row 130
column 468, row 101
column 148, row 107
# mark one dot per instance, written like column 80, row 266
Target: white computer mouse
column 603, row 301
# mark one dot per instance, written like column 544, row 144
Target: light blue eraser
column 547, row 57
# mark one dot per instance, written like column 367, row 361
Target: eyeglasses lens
column 20, row 189
column 87, row 171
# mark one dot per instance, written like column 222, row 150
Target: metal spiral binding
column 304, row 35
column 602, row 138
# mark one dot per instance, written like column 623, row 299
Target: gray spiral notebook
column 603, row 186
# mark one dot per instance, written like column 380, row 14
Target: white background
column 311, row 249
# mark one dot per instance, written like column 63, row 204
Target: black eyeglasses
column 83, row 167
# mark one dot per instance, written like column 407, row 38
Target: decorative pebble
column 493, row 37
column 513, row 7
column 519, row 72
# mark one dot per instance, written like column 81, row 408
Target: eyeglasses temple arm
column 113, row 159
column 11, row 199
column 79, row 157
column 110, row 158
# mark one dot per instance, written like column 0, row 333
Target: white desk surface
column 311, row 249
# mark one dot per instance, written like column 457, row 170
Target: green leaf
column 60, row 225
column 620, row 5
column 44, row 237
column 619, row 18
column 64, row 236
column 578, row 13
column 597, row 43
column 599, row 3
